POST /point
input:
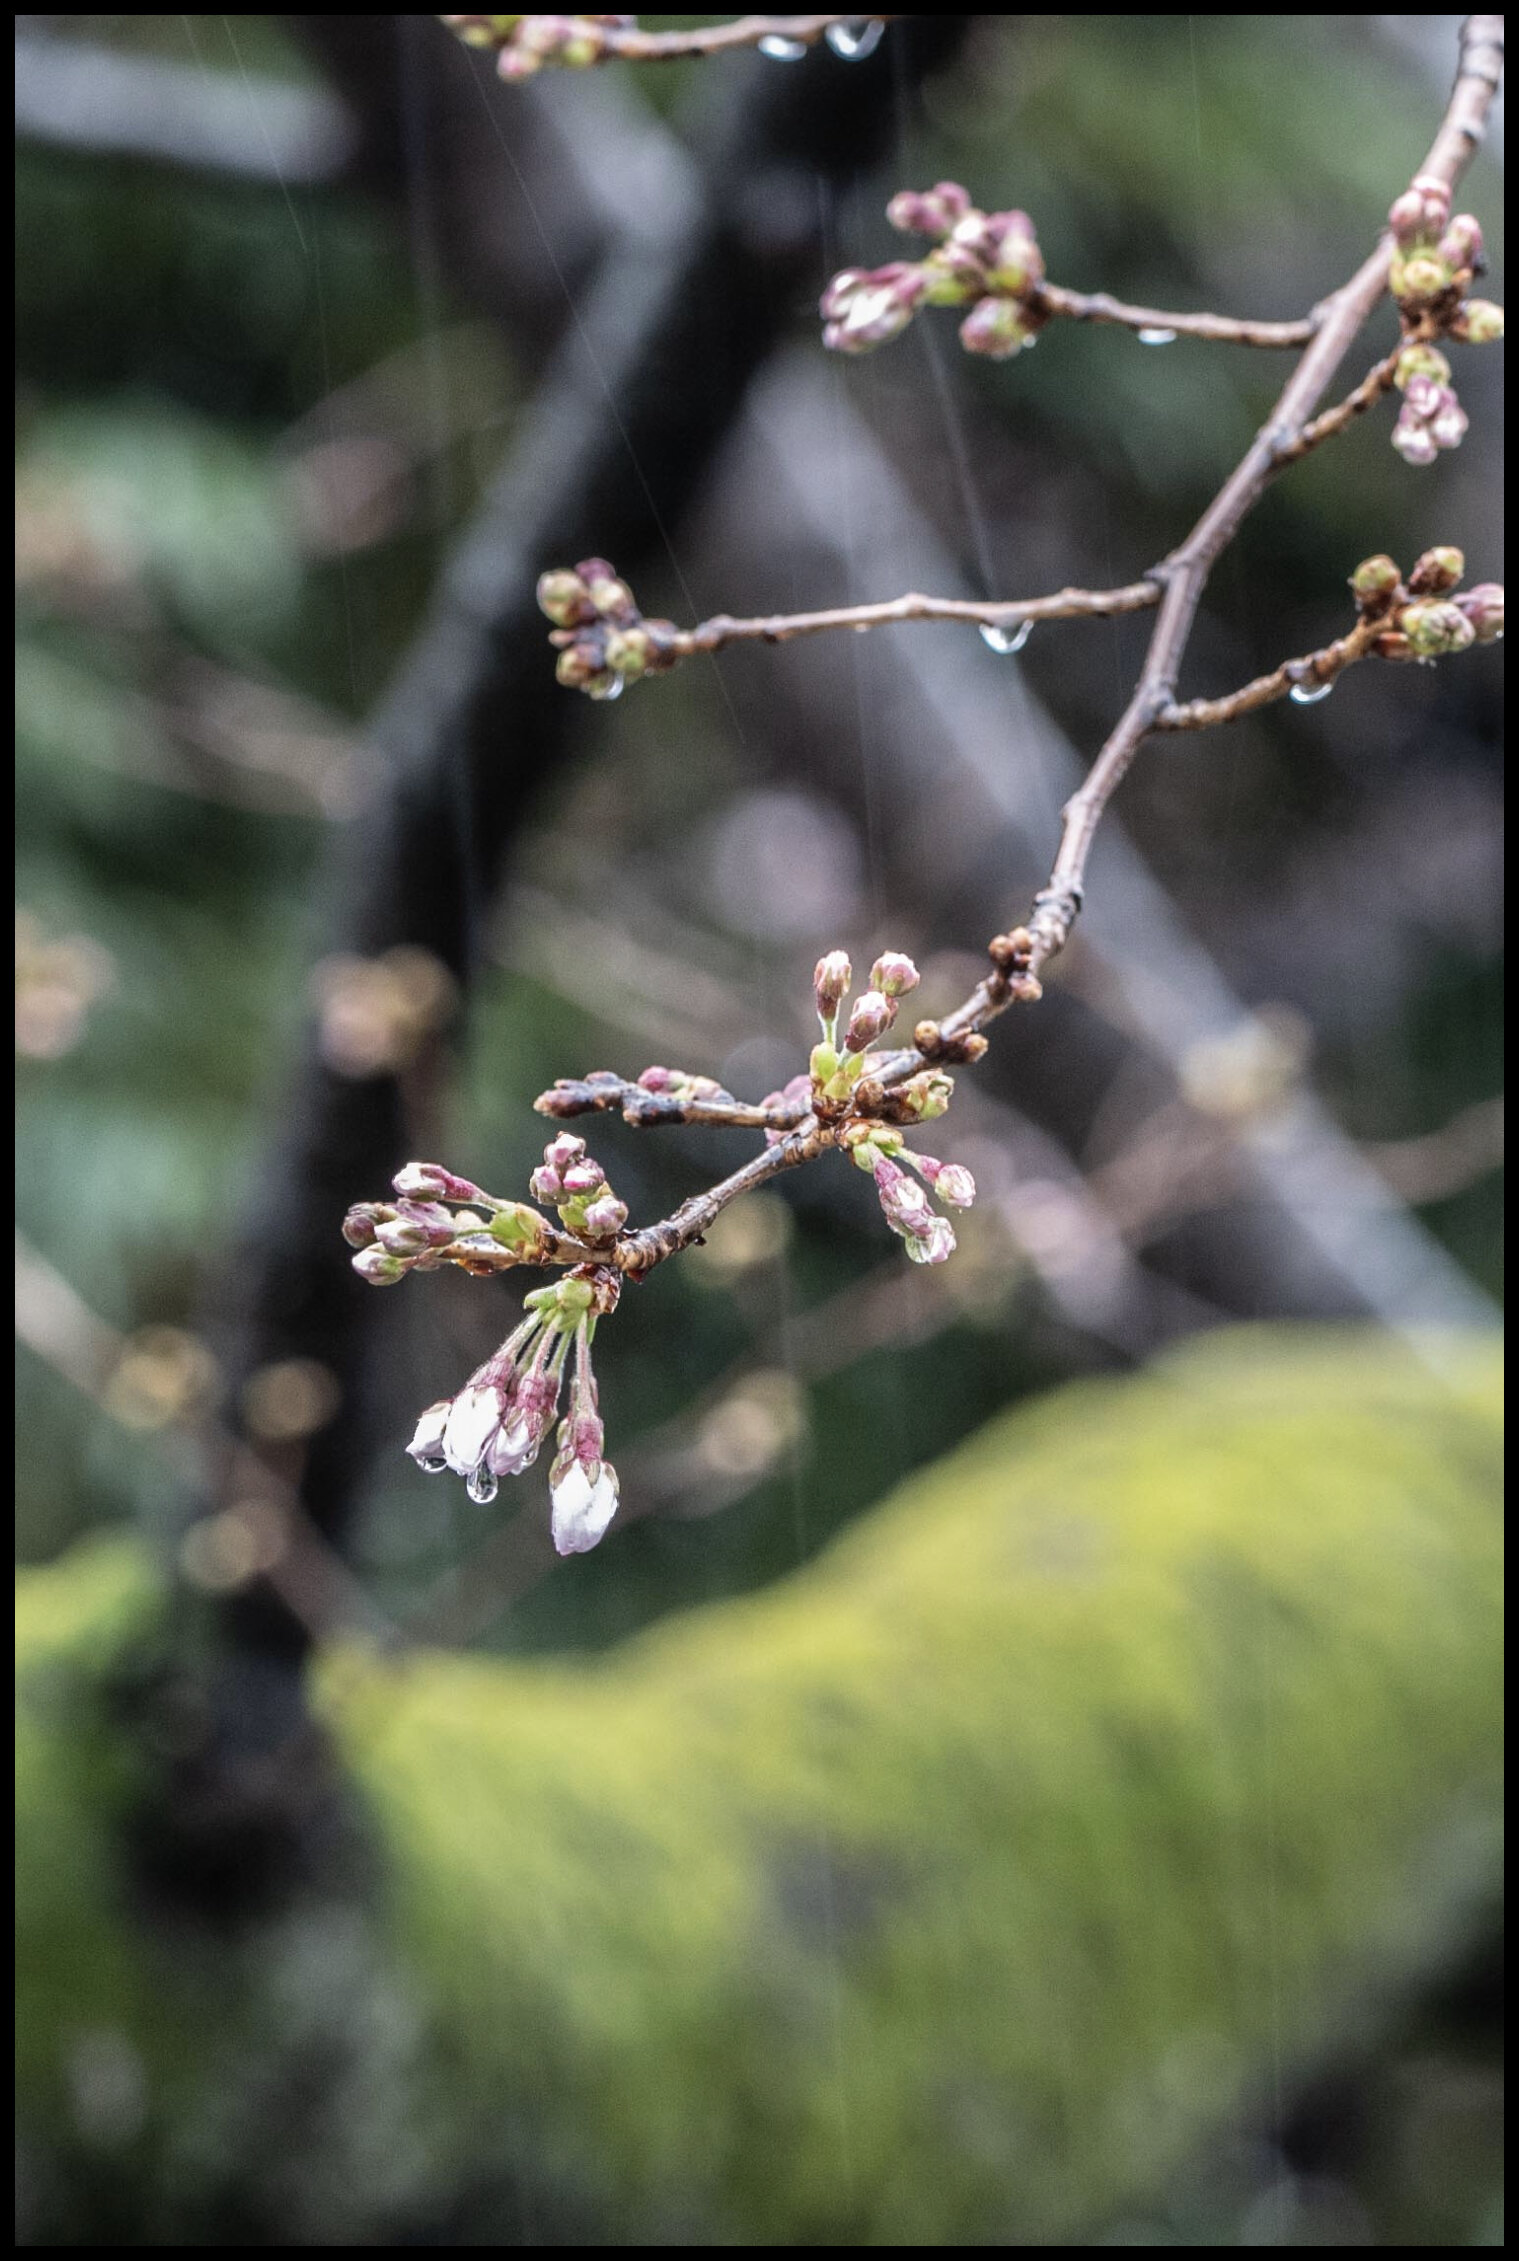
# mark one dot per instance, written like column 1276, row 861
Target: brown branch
column 780, row 628
column 1308, row 676
column 613, row 43
column 1223, row 329
column 644, row 1110
column 638, row 1253
column 1374, row 386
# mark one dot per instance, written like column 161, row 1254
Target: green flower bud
column 1421, row 361
column 1374, row 579
column 823, row 1063
column 1434, row 628
column 517, row 1227
column 1436, row 571
column 1479, row 322
column 1423, row 276
column 565, row 598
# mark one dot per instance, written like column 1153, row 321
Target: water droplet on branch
column 782, row 50
column 854, row 41
column 1006, row 641
column 1156, row 337
column 481, row 1486
column 1309, row 694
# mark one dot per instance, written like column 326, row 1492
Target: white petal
column 427, row 1444
column 472, row 1423
column 582, row 1510
column 515, row 1448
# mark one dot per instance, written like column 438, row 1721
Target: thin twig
column 1307, row 676
column 1221, row 329
column 780, row 628
column 616, row 44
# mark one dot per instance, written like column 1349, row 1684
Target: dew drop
column 1006, row 641
column 433, row 1467
column 852, row 42
column 781, row 50
column 1156, row 337
column 1309, row 694
column 481, row 1486
column 614, row 689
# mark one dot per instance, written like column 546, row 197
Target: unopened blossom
column 1431, row 418
column 1436, row 571
column 951, row 1181
column 831, row 977
column 929, row 212
column 1477, row 322
column 996, row 328
column 863, row 308
column 1435, row 627
column 1483, row 607
column 870, row 1016
column 894, row 974
column 582, row 1485
column 927, row 1237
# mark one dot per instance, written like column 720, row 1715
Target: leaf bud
column 1374, row 581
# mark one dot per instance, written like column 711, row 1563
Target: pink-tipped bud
column 831, row 977
column 360, row 1223
column 1420, row 361
column 935, row 1245
column 931, row 212
column 381, row 1269
column 894, row 974
column 904, row 1204
column 870, row 1016
column 583, row 1177
column 544, row 1184
column 604, row 1218
column 1436, row 571
column 1014, row 262
column 1450, row 423
column 658, row 1079
column 951, row 1181
column 874, row 307
column 995, row 328
column 1483, row 607
column 560, row 1152
column 1461, row 243
column 417, row 1225
column 1414, row 441
column 428, row 1181
column 1406, row 217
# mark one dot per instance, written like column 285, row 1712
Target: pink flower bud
column 1434, row 628
column 584, row 1176
column 1413, row 440
column 876, row 307
column 544, row 1184
column 935, row 1245
column 1434, row 195
column 831, row 977
column 560, row 1152
column 361, row 1220
column 428, row 1181
column 930, row 213
column 1483, row 607
column 870, row 1016
column 894, row 974
column 1449, row 424
column 658, row 1079
column 951, row 1181
column 605, row 1217
column 379, row 1268
column 417, row 1225
column 1406, row 217
column 1420, row 361
column 426, row 1447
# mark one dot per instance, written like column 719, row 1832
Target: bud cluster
column 928, row 1237
column 418, row 1231
column 1431, row 417
column 527, row 43
column 577, row 1185
column 1425, row 618
column 604, row 641
column 497, row 1424
column 988, row 262
column 836, row 1070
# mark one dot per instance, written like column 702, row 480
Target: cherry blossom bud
column 473, row 1420
column 1422, row 277
column 1434, row 195
column 935, row 1244
column 428, row 1181
column 544, row 1184
column 1483, row 607
column 996, row 328
column 877, row 306
column 1461, row 244
column 1479, row 322
column 604, row 1218
column 361, row 1220
column 562, row 1150
column 1436, row 571
column 1434, row 628
column 519, row 1228
column 951, row 1181
column 379, row 1268
column 894, row 974
column 1406, row 217
column 903, row 1202
column 830, row 982
column 426, row 1447
column 658, row 1079
column 583, row 1509
column 925, row 1097
column 565, row 598
column 1421, row 361
column 1015, row 261
column 581, row 667
column 1449, row 424
column 1374, row 580
column 583, row 1176
column 417, row 1225
column 1414, row 441
column 933, row 212
column 870, row 1016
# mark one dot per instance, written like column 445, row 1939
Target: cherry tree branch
column 1220, row 329
column 779, row 628
column 581, row 40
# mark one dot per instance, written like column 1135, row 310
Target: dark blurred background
column 328, row 344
